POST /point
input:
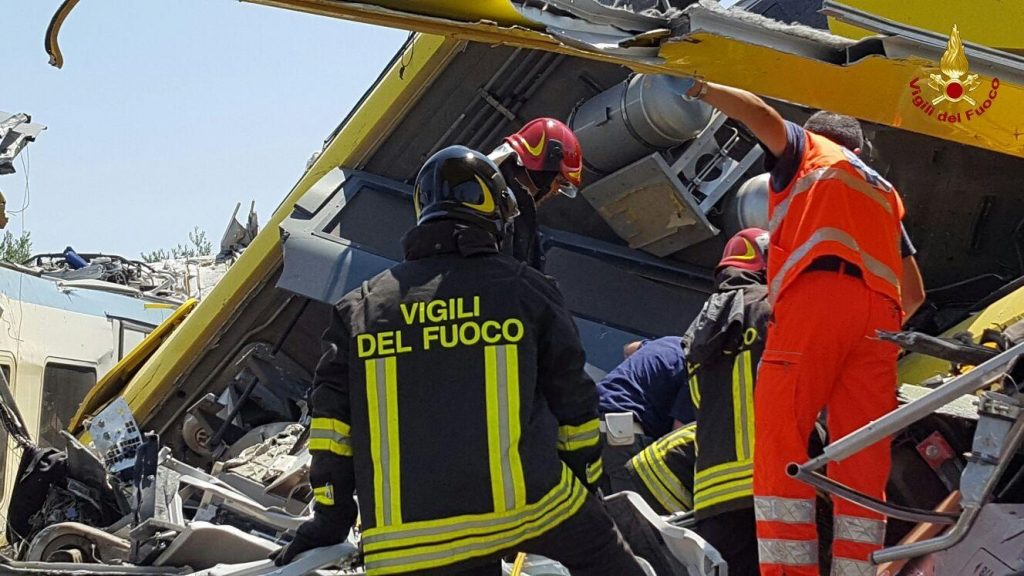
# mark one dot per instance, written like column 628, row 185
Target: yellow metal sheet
column 156, row 379
column 994, row 23
column 486, row 30
column 499, row 11
column 114, row 381
column 885, row 91
column 876, row 89
column 916, row 368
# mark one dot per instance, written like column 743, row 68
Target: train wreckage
column 189, row 457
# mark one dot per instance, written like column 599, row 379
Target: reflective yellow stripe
column 672, row 482
column 330, row 435
column 721, row 472
column 394, row 468
column 324, row 495
column 382, row 382
column 331, row 424
column 695, row 389
column 515, row 432
column 594, row 471
column 501, row 369
column 743, row 404
column 748, row 393
column 576, row 437
column 494, row 428
column 724, row 493
column 422, row 545
column 651, row 467
column 644, row 469
column 678, row 437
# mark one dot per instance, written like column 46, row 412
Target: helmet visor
column 548, row 183
column 565, row 187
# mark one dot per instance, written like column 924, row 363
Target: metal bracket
column 695, row 174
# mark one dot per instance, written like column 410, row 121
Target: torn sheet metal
column 116, row 436
column 621, row 15
column 16, row 131
column 564, row 34
column 859, row 79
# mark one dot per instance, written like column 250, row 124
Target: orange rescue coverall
column 833, row 270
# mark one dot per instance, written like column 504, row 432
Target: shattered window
column 64, row 387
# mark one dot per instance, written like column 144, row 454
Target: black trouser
column 617, row 477
column 588, row 544
column 734, row 535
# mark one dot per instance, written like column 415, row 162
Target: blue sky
column 168, row 112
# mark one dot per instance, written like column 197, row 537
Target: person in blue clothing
column 643, row 398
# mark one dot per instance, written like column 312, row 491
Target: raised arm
column 748, row 109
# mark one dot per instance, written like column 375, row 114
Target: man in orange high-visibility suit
column 836, row 274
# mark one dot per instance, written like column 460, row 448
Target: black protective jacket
column 709, row 467
column 723, row 347
column 525, row 239
column 452, row 398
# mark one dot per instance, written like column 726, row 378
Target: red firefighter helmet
column 550, row 152
column 747, row 250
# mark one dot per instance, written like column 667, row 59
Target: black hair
column 843, row 130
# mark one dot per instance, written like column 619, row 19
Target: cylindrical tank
column 641, row 115
column 747, row 207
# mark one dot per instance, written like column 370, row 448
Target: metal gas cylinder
column 643, row 114
column 748, row 206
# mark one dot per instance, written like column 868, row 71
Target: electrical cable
column 26, row 168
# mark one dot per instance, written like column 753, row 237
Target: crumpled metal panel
column 16, row 131
column 648, row 207
column 635, row 15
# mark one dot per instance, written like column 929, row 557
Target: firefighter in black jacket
column 542, row 158
column 452, row 398
column 708, row 467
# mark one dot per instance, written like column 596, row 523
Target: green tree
column 197, row 245
column 16, row 249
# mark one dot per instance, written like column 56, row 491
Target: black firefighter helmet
column 465, row 185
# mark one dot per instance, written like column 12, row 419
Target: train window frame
column 7, row 361
column 52, row 361
column 123, row 325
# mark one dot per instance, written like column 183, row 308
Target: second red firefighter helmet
column 747, row 249
column 463, row 184
column 550, row 152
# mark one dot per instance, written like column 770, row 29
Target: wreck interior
column 963, row 214
column 622, row 275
